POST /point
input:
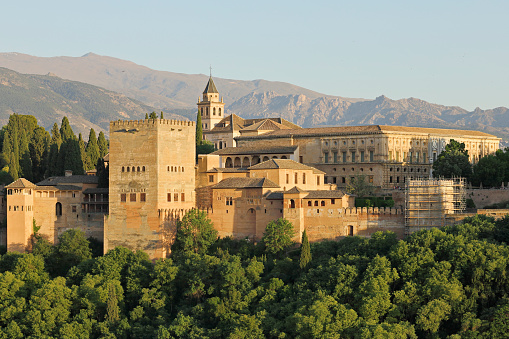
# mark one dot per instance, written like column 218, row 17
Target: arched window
column 322, row 203
column 214, row 111
column 228, row 163
column 138, row 169
column 168, row 168
column 219, row 111
column 292, row 203
column 220, row 144
column 123, row 169
column 143, row 169
column 265, row 158
column 206, row 111
column 182, row 169
column 58, row 209
column 134, row 169
column 237, row 162
column 128, row 168
column 316, row 203
column 310, row 203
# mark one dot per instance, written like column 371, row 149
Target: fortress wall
column 485, row 197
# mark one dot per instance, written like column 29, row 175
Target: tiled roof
column 21, row 183
column 72, row 179
column 295, row 190
column 233, row 122
column 228, row 170
column 265, row 124
column 96, row 191
column 276, row 195
column 371, row 129
column 211, row 87
column 334, row 194
column 256, row 150
column 58, row 188
column 246, row 183
column 283, row 164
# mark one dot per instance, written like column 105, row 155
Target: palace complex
column 263, row 169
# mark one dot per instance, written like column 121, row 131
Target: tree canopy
column 453, row 162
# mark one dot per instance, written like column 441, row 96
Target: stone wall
column 485, row 197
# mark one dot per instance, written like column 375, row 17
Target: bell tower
column 210, row 107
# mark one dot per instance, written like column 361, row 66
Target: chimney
column 68, row 173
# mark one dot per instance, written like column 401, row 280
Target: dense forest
column 441, row 283
column 29, row 151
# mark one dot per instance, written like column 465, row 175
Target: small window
column 132, row 197
column 169, row 197
column 128, row 168
column 123, row 197
column 310, row 203
column 303, row 178
column 316, row 203
column 138, row 169
column 73, row 209
column 333, row 201
column 175, row 197
column 296, row 177
column 322, row 203
column 182, row 197
column 211, row 178
column 134, row 169
column 143, row 197
column 123, row 169
column 58, row 209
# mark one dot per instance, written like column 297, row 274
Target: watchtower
column 151, row 172
column 20, row 214
column 210, row 108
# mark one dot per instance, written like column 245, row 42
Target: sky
column 446, row 52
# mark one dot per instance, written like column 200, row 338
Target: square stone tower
column 151, row 174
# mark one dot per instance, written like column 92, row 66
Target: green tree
column 85, row 159
column 359, row 186
column 73, row 248
column 103, row 174
column 146, row 116
column 153, row 115
column 195, row 233
column 490, row 171
column 103, row 144
column 54, row 151
column 278, row 236
column 92, row 149
column 162, row 116
column 39, row 148
column 453, row 162
column 305, row 251
column 199, row 130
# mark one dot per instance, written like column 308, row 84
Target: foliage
column 305, row 251
column 359, row 186
column 92, row 149
column 453, row 162
column 374, row 202
column 205, row 147
column 153, row 115
column 278, row 236
column 195, row 233
column 491, row 170
column 199, row 130
column 103, row 144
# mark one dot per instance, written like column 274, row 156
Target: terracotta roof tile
column 21, row 183
column 284, row 164
column 245, row 150
column 72, row 179
column 246, row 183
column 323, row 194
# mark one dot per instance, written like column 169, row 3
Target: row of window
column 411, row 157
column 133, row 197
column 213, row 111
column 175, row 168
column 336, row 180
column 352, row 142
column 296, row 179
column 310, row 203
column 20, row 208
column 345, row 158
column 133, row 169
column 176, row 197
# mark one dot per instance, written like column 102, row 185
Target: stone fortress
column 263, row 169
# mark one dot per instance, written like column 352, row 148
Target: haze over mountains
column 178, row 93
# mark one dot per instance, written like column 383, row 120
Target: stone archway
column 245, row 162
column 228, row 163
column 237, row 163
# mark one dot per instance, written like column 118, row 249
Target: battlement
column 148, row 122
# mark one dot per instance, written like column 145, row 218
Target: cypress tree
column 199, row 130
column 92, row 148
column 72, row 158
column 146, row 116
column 153, row 115
column 39, row 153
column 162, row 115
column 85, row 159
column 66, row 130
column 305, row 251
column 54, row 151
column 103, row 145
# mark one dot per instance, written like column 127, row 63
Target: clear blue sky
column 445, row 52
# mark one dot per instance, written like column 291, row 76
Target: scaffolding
column 429, row 202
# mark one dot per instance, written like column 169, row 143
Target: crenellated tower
column 210, row 107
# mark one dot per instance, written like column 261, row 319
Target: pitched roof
column 276, row 195
column 295, row 190
column 228, row 170
column 359, row 130
column 21, row 183
column 96, row 191
column 211, row 87
column 246, row 183
column 244, row 150
column 323, row 194
column 72, row 179
column 265, row 124
column 59, row 188
column 233, row 122
column 284, row 164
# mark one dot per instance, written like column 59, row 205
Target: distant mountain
column 178, row 93
column 49, row 98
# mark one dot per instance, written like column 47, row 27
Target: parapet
column 148, row 122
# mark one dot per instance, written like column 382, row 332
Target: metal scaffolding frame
column 428, row 202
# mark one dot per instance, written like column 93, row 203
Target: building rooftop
column 295, row 190
column 371, row 129
column 211, row 87
column 21, row 183
column 323, row 194
column 96, row 191
column 233, row 122
column 228, row 170
column 284, row 164
column 245, row 150
column 72, row 179
column 246, row 183
column 58, row 188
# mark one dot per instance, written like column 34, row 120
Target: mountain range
column 178, row 93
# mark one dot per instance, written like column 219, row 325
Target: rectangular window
column 343, row 180
column 169, row 197
column 303, row 178
column 73, row 209
column 326, row 157
column 132, row 197
column 143, row 197
column 410, row 157
column 334, row 179
column 390, row 155
column 333, row 201
column 175, row 197
column 325, row 180
column 353, row 156
column 397, row 156
column 390, row 180
column 371, row 157
column 318, row 180
column 417, row 157
column 362, row 156
column 287, row 178
column 296, row 177
column 335, row 157
column 370, row 179
column 301, row 159
column 344, row 156
column 424, row 157
column 182, row 197
column 229, row 201
column 123, row 197
column 211, row 178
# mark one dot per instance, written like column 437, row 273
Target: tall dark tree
column 54, row 151
column 199, row 129
column 153, row 115
column 489, row 171
column 162, row 116
column 92, row 149
column 39, row 147
column 453, row 162
column 85, row 159
column 103, row 145
column 305, row 251
column 102, row 173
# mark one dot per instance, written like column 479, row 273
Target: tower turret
column 211, row 108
